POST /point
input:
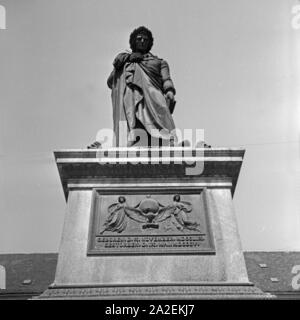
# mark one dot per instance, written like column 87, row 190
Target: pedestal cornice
column 206, row 165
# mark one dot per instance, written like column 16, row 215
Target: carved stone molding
column 211, row 291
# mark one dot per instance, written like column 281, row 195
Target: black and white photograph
column 150, row 152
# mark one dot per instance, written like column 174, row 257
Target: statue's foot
column 94, row 145
column 184, row 143
column 202, row 144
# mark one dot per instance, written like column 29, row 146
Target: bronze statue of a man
column 142, row 92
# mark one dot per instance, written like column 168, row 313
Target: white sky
column 236, row 68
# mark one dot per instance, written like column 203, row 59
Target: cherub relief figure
column 150, row 213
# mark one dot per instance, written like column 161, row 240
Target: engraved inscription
column 146, row 242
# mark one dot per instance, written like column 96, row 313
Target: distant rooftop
column 31, row 274
column 272, row 271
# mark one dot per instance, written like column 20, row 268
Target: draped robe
column 138, row 93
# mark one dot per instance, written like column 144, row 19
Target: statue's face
column 177, row 198
column 121, row 199
column 142, row 43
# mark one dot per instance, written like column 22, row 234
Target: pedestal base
column 135, row 229
column 202, row 291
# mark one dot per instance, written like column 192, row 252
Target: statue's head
column 176, row 198
column 141, row 40
column 122, row 199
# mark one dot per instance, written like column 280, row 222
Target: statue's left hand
column 170, row 95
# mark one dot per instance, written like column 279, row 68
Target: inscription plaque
column 149, row 221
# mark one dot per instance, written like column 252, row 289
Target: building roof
column 272, row 271
column 31, row 274
column 28, row 273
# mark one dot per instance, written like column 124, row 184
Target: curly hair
column 140, row 30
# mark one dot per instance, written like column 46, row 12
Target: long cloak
column 137, row 94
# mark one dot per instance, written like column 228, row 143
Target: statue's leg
column 94, row 145
column 139, row 125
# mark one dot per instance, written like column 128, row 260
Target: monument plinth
column 146, row 223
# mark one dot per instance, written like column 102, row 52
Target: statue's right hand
column 136, row 57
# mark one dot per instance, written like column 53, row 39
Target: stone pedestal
column 150, row 224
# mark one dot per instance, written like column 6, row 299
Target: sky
column 235, row 65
